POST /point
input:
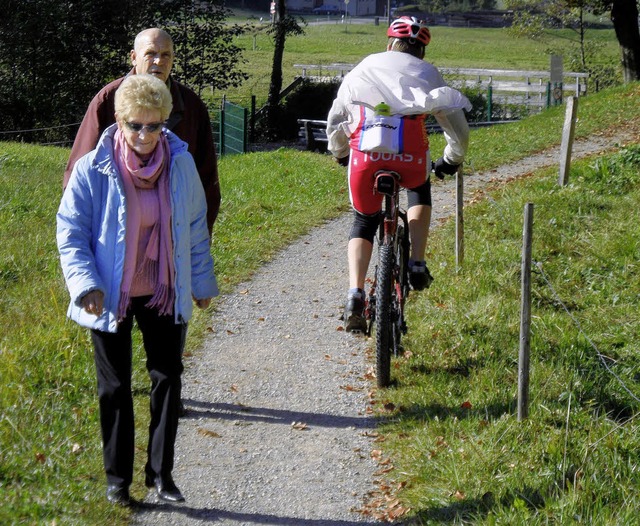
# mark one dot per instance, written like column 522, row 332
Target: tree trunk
column 275, row 87
column 624, row 14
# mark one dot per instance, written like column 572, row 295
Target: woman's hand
column 93, row 302
column 203, row 303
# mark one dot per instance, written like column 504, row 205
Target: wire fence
column 603, row 359
column 60, row 135
column 63, row 135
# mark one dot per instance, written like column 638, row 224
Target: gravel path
column 279, row 428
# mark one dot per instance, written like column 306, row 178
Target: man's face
column 154, row 55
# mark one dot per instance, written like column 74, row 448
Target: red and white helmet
column 411, row 28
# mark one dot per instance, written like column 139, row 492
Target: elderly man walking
column 153, row 53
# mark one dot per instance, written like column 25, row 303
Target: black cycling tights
column 365, row 227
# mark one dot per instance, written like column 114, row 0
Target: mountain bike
column 387, row 295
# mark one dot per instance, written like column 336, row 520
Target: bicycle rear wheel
column 383, row 320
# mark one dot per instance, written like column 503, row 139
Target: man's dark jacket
column 189, row 120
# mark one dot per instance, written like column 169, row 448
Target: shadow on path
column 214, row 515
column 221, row 411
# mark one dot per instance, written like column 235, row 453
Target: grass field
column 449, row 47
column 455, row 460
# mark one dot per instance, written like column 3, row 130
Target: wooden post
column 525, row 316
column 548, row 94
column 252, row 122
column 222, row 125
column 459, row 219
column 567, row 140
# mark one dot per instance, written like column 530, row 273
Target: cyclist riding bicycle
column 377, row 122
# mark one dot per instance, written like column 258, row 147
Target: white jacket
column 409, row 86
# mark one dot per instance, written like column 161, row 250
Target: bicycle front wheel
column 383, row 320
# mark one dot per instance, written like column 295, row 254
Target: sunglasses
column 137, row 127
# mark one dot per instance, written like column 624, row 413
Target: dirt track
column 279, row 427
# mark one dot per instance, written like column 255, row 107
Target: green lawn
column 449, row 47
column 450, row 420
column 461, row 343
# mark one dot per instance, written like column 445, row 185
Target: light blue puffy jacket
column 91, row 223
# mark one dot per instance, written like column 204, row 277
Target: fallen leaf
column 208, row 433
column 230, row 333
column 459, row 495
column 261, row 318
column 351, row 388
column 466, row 405
column 76, row 448
column 40, row 457
column 300, row 426
column 398, row 512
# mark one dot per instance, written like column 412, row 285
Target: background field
column 450, row 47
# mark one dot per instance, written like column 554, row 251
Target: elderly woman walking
column 134, row 245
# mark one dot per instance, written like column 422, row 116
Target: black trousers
column 163, row 343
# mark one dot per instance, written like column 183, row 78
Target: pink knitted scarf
column 158, row 256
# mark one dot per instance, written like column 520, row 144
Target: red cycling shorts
column 413, row 165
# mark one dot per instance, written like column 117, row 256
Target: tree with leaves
column 54, row 56
column 531, row 17
column 444, row 6
column 203, row 45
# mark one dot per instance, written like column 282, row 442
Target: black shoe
column 118, row 495
column 165, row 488
column 419, row 276
column 354, row 320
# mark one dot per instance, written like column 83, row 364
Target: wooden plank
column 508, row 73
column 460, row 71
column 532, row 83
